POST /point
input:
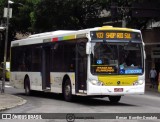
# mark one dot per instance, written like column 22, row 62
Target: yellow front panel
column 122, row 80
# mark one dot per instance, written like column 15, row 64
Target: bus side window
column 20, row 56
column 57, row 57
column 28, row 59
column 69, row 57
column 36, row 59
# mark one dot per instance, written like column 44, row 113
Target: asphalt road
column 52, row 103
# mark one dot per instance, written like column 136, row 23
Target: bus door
column 46, row 69
column 81, row 67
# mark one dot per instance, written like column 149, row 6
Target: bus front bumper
column 115, row 90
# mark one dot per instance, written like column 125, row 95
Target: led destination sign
column 115, row 35
column 104, row 69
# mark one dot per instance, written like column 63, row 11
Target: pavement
column 8, row 101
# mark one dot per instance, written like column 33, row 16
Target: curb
column 147, row 88
column 20, row 101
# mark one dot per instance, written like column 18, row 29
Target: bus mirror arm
column 88, row 48
column 144, row 55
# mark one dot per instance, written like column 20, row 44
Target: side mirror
column 144, row 51
column 88, row 48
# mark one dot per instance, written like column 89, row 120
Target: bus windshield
column 116, row 58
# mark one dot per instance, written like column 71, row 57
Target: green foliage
column 23, row 15
column 69, row 14
column 34, row 16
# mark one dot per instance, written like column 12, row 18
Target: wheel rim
column 27, row 89
column 67, row 90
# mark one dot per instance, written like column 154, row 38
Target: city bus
column 97, row 62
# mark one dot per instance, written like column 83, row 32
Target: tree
column 19, row 23
column 22, row 15
column 35, row 16
column 2, row 33
column 69, row 14
column 136, row 12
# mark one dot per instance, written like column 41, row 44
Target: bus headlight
column 96, row 82
column 138, row 82
column 141, row 82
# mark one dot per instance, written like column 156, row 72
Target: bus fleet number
column 100, row 35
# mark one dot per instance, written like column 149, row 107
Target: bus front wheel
column 114, row 99
column 27, row 86
column 67, row 90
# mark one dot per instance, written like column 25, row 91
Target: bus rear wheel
column 27, row 86
column 67, row 90
column 114, row 99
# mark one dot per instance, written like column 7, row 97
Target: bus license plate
column 118, row 89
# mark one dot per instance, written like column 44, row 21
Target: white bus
column 101, row 61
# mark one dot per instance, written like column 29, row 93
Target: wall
column 152, row 41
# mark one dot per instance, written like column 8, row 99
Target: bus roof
column 64, row 35
column 51, row 33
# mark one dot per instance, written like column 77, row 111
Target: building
column 151, row 37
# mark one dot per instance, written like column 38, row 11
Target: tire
column 114, row 99
column 27, row 86
column 67, row 91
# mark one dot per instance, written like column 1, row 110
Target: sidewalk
column 147, row 88
column 8, row 101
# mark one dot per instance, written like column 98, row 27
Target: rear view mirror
column 144, row 55
column 88, row 48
